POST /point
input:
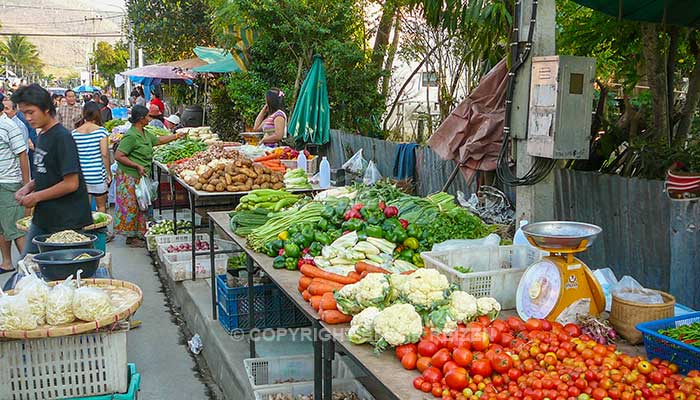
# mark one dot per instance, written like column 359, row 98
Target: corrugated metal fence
column 432, row 172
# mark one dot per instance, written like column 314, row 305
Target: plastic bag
column 629, row 289
column 145, row 192
column 35, row 291
column 372, row 174
column 356, row 164
column 59, row 303
column 91, row 303
column 15, row 313
column 459, row 244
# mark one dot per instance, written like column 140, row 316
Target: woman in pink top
column 272, row 120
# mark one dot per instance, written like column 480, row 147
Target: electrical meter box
column 561, row 106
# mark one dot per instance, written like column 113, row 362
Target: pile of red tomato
column 537, row 360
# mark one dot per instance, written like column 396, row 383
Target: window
column 429, row 79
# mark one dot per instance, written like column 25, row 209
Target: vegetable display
column 156, row 131
column 202, row 133
column 166, row 227
column 177, row 150
column 113, row 123
column 234, row 176
column 296, row 179
column 689, row 334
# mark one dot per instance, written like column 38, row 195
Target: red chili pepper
column 404, row 223
column 382, row 205
column 280, row 252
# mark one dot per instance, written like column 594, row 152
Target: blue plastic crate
column 131, row 393
column 687, row 357
column 271, row 308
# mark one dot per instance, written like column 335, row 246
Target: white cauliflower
column 362, row 326
column 396, row 325
column 442, row 320
column 424, row 288
column 488, row 306
column 463, row 306
column 371, row 291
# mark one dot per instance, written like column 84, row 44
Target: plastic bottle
column 301, row 161
column 519, row 239
column 325, row 174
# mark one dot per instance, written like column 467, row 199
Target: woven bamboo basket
column 23, row 224
column 126, row 299
column 625, row 315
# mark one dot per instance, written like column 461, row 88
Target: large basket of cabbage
column 125, row 297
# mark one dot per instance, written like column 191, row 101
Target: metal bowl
column 252, row 138
column 60, row 264
column 561, row 234
column 40, row 242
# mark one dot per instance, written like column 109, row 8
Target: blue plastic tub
column 687, row 357
column 271, row 308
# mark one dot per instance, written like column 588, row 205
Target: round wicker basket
column 625, row 315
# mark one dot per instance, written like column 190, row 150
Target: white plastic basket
column 179, row 265
column 69, row 366
column 162, row 248
column 152, row 241
column 288, row 369
column 496, row 270
column 307, row 388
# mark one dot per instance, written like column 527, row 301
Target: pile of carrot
column 362, row 268
column 272, row 161
column 317, row 287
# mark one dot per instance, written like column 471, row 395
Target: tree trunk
column 389, row 64
column 693, row 96
column 383, row 33
column 297, row 84
column 655, row 65
column 674, row 37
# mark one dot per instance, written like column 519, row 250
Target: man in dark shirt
column 58, row 190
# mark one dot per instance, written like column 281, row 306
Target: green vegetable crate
column 496, row 270
column 686, row 356
column 271, row 308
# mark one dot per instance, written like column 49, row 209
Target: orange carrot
column 363, row 274
column 306, row 295
column 328, row 301
column 304, row 281
column 315, row 302
column 271, row 156
column 354, row 275
column 299, row 288
column 315, row 272
column 335, row 317
column 363, row 266
column 318, row 288
column 408, row 272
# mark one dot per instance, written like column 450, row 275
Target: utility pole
column 536, row 202
column 92, row 70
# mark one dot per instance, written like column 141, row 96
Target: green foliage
column 223, row 117
column 246, row 92
column 168, row 30
column 110, row 60
column 22, row 55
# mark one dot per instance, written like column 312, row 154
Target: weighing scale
column 560, row 286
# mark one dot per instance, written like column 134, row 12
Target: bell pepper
column 291, row 263
column 400, row 235
column 390, row 224
column 270, row 250
column 328, row 212
column 407, row 255
column 418, row 260
column 391, row 211
column 353, row 225
column 335, row 234
column 315, row 249
column 411, row 243
column 284, row 235
column 291, row 250
column 390, row 235
column 375, row 218
column 352, row 214
column 374, row 231
column 322, row 225
column 308, row 234
column 340, row 207
column 279, row 262
column 297, row 239
column 322, row 238
column 414, row 230
column 361, row 235
column 278, row 244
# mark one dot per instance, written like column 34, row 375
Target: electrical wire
column 541, row 167
column 83, row 35
column 54, row 23
column 55, row 8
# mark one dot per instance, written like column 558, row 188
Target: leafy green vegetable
column 464, row 270
column 177, row 150
column 113, row 123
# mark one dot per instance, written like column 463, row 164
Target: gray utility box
column 561, row 105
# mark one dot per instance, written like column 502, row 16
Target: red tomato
column 456, row 379
column 599, row 394
column 515, row 324
column 441, row 340
column 514, row 374
column 418, row 382
column 479, row 341
column 426, row 387
column 533, row 324
column 656, row 377
column 405, row 348
column 432, row 375
column 458, row 339
column 494, row 334
column 500, row 325
column 507, row 340
column 501, row 363
column 437, row 391
column 427, row 348
column 481, row 367
column 462, row 356
column 440, row 358
column 448, row 366
column 409, row 361
column 423, row 363
column 484, row 320
column 545, row 325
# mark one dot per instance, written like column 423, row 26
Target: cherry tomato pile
column 537, row 360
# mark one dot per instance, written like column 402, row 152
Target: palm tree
column 21, row 54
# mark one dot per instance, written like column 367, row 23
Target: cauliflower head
column 396, row 325
column 362, row 326
column 424, row 288
column 371, row 291
column 442, row 320
column 345, row 297
column 488, row 306
column 462, row 306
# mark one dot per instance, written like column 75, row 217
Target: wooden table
column 384, row 369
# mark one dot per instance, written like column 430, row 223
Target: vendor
column 58, row 192
column 134, row 158
column 156, row 116
column 272, row 120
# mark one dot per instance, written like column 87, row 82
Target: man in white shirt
column 14, row 173
column 10, row 109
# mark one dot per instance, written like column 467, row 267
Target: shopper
column 105, row 111
column 93, row 151
column 10, row 110
column 57, row 192
column 272, row 120
column 157, row 101
column 172, row 122
column 140, row 98
column 156, row 116
column 70, row 113
column 14, row 173
column 134, row 158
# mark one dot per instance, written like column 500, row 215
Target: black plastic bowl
column 40, row 242
column 58, row 265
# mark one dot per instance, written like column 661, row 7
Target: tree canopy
column 110, row 60
column 22, row 55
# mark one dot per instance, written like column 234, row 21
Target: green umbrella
column 311, row 122
column 672, row 12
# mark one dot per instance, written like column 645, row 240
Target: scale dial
column 538, row 291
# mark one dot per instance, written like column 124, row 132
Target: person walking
column 71, row 113
column 58, row 192
column 134, row 157
column 93, row 151
column 105, row 111
column 14, row 173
